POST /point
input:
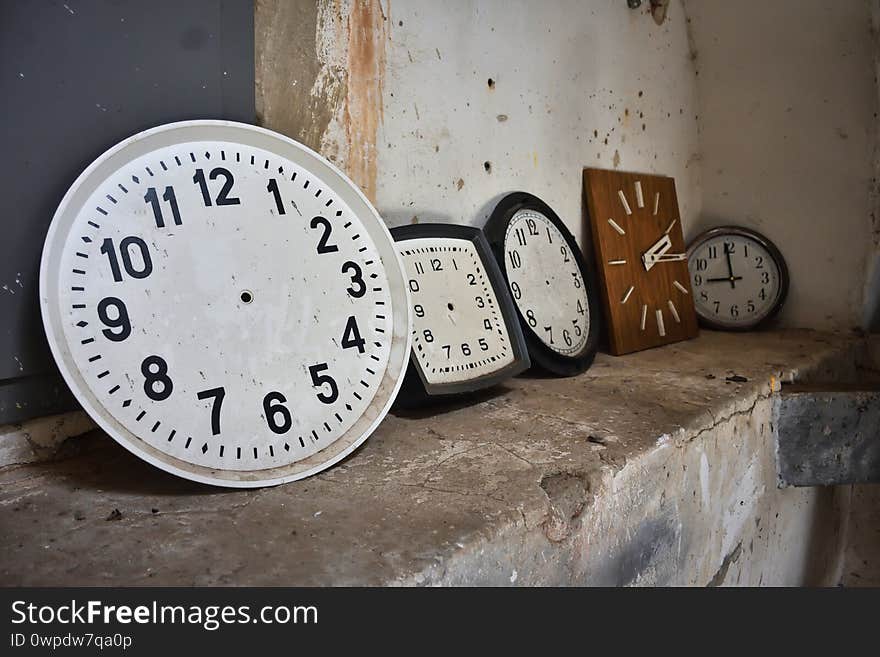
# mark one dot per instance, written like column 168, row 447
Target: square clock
column 465, row 331
column 641, row 257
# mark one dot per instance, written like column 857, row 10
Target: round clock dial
column 546, row 276
column 458, row 331
column 738, row 276
column 225, row 303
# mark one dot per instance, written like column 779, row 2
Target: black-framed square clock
column 465, row 332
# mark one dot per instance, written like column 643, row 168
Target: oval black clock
column 552, row 287
column 465, row 335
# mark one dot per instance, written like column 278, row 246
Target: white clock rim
column 111, row 161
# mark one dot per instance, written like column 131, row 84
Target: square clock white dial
column 464, row 334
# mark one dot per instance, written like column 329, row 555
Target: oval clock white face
column 546, row 283
column 458, row 330
column 225, row 303
column 738, row 279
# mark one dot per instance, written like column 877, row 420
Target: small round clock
column 225, row 303
column 739, row 278
column 465, row 335
column 555, row 293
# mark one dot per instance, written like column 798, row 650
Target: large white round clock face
column 736, row 280
column 458, row 331
column 546, row 283
column 225, row 303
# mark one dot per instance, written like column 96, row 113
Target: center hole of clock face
column 246, row 296
column 450, row 306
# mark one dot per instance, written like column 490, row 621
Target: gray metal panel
column 76, row 77
column 826, row 438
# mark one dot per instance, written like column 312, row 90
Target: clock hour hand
column 671, row 257
column 655, row 251
column 724, row 279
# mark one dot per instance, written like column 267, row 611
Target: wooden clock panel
column 630, row 215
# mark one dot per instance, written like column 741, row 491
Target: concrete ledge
column 653, row 468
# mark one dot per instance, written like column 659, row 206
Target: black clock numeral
column 517, row 292
column 487, row 324
column 472, row 280
column 413, row 285
column 515, row 259
column 273, row 406
column 577, row 329
column 759, row 262
column 763, row 294
column 702, row 264
column 480, row 302
column 729, row 248
column 484, row 346
column 420, row 268
column 319, row 380
column 566, row 336
column 120, row 322
column 717, row 306
column 153, row 199
column 223, row 197
column 564, row 253
column 272, row 188
column 351, row 337
column 419, row 310
column 734, row 311
column 750, row 306
column 155, row 371
column 580, row 308
column 109, row 250
column 530, row 316
column 713, row 252
column 533, row 227
column 466, row 349
column 549, row 329
column 323, row 246
column 698, row 280
column 358, row 287
column 765, row 277
column 520, row 236
column 217, row 394
column 429, row 337
column 577, row 280
column 704, row 295
column 447, row 348
column 549, row 237
column 435, row 265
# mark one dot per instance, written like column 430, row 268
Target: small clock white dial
column 738, row 278
column 546, row 283
column 225, row 303
column 458, row 328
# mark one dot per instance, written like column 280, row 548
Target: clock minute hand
column 671, row 257
column 656, row 250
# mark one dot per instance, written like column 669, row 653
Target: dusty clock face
column 465, row 333
column 458, row 330
column 739, row 278
column 546, row 282
column 225, row 303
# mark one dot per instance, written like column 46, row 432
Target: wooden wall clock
column 225, row 303
column 640, row 253
column 554, row 290
column 465, row 333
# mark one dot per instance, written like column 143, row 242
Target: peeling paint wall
column 436, row 109
column 788, row 104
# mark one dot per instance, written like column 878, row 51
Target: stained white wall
column 568, row 75
column 787, row 102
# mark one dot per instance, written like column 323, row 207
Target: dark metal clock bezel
column 774, row 252
column 541, row 354
column 416, row 387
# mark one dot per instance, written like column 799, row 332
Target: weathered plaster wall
column 436, row 109
column 787, row 109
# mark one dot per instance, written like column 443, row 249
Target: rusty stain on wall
column 367, row 35
column 319, row 78
column 295, row 94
